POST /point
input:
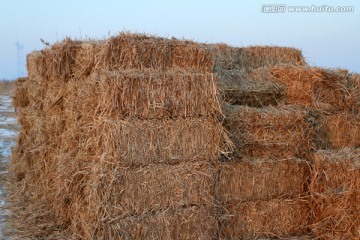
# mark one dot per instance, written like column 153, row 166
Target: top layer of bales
column 247, row 58
column 70, row 58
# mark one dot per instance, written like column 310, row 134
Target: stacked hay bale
column 119, row 140
column 264, row 186
column 333, row 99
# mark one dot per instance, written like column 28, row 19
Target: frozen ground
column 8, row 133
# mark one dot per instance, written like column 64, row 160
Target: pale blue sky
column 326, row 39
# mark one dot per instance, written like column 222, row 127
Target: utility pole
column 20, row 57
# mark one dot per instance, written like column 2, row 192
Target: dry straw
column 326, row 90
column 117, row 139
column 156, row 94
column 263, row 179
column 183, row 223
column 145, row 142
column 335, row 194
column 279, row 218
column 236, row 89
column 126, row 192
column 261, row 132
column 247, row 58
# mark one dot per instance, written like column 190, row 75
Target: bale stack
column 232, row 67
column 119, row 140
column 263, row 187
column 333, row 99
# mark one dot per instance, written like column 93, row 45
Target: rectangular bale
column 264, row 56
column 156, row 94
column 143, row 142
column 262, row 132
column 276, row 218
column 124, row 192
column 323, row 89
column 263, row 179
column 196, row 222
column 252, row 57
column 237, row 90
column 335, row 190
column 140, row 51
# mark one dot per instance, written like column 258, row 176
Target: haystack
column 335, row 194
column 116, row 136
column 279, row 218
column 263, row 179
column 261, row 132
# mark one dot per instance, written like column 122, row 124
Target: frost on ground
column 8, row 133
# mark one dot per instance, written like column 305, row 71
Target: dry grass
column 262, row 132
column 326, row 90
column 263, row 179
column 277, row 218
column 335, row 194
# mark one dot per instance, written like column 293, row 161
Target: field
column 8, row 132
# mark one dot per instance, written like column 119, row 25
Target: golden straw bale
column 196, row 222
column 236, row 89
column 141, row 51
column 124, row 192
column 156, row 94
column 262, row 179
column 279, row 218
column 247, row 58
column 143, row 142
column 263, row 56
column 261, row 132
column 335, row 190
column 323, row 89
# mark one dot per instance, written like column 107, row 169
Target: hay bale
column 155, row 94
column 264, row 56
column 247, row 58
column 254, row 93
column 262, row 179
column 262, row 132
column 143, row 142
column 279, row 218
column 183, row 223
column 125, row 192
column 322, row 89
column 338, row 131
column 76, row 59
column 335, row 190
column 141, row 51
